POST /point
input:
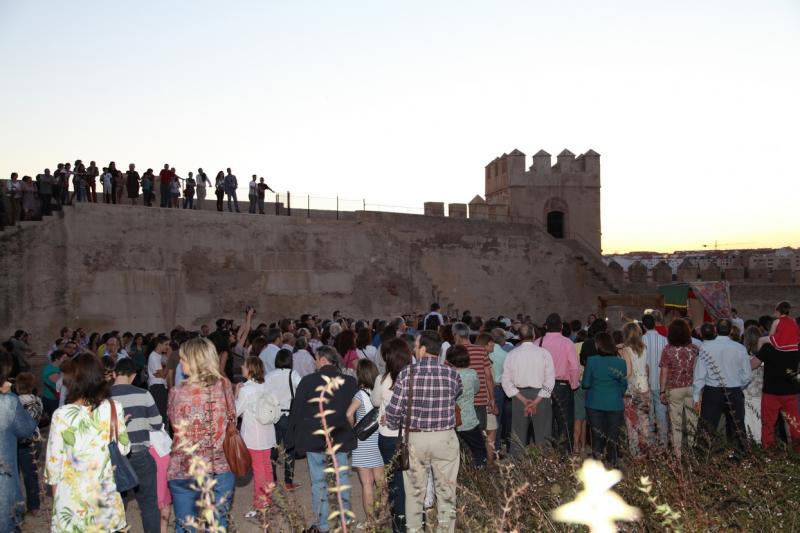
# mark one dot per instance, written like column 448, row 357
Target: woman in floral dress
column 78, row 464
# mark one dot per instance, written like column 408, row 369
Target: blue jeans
column 26, row 459
column 397, row 492
column 232, row 196
column 184, row 500
column 317, row 462
column 658, row 419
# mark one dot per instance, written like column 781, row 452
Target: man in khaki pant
column 432, row 388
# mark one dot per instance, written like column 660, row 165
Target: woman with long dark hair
column 219, row 189
column 397, row 355
column 606, row 383
column 78, row 463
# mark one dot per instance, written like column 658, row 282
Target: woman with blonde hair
column 637, row 398
column 199, row 410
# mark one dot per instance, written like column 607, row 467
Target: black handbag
column 124, row 476
column 367, row 425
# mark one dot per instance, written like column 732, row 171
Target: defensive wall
column 147, row 269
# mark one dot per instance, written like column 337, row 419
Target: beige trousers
column 439, row 450
column 680, row 405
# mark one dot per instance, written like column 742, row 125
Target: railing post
column 288, row 204
column 337, row 207
column 277, row 209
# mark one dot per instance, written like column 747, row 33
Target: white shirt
column 303, row 363
column 655, row 343
column 106, row 180
column 253, row 188
column 277, row 382
column 381, row 396
column 153, row 366
column 443, row 353
column 256, row 436
column 371, row 353
column 267, row 355
column 529, row 365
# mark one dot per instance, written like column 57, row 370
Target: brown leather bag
column 458, row 416
column 235, row 450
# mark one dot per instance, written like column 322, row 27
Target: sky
column 693, row 106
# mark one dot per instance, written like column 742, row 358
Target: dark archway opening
column 555, row 224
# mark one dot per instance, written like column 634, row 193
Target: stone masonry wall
column 104, row 266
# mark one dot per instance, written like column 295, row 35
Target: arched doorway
column 555, row 224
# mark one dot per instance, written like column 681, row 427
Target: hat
column 786, row 336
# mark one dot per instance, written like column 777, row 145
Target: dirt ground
column 299, row 501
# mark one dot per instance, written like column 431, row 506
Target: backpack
column 267, row 410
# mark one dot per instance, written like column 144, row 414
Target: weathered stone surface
column 457, row 210
column 782, row 275
column 662, row 273
column 711, row 272
column 435, row 209
column 637, row 273
column 687, row 271
column 734, row 274
column 147, row 270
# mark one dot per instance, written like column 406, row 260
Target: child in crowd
column 367, row 460
column 259, row 438
column 469, row 430
column 784, row 334
column 28, row 449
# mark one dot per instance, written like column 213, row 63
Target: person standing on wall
column 231, row 184
column 165, row 181
column 202, row 182
column 219, row 189
column 262, row 191
column 252, row 195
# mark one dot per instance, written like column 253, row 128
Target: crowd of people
column 404, row 402
column 30, row 198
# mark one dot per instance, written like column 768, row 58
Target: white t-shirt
column 256, row 436
column 106, row 181
column 267, row 355
column 443, row 354
column 178, row 374
column 381, row 396
column 253, row 189
column 154, row 365
column 277, row 383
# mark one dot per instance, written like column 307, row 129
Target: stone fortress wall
column 532, row 244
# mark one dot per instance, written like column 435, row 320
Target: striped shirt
column 436, row 388
column 655, row 343
column 479, row 361
column 144, row 416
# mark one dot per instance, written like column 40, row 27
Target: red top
column 679, row 362
column 166, row 175
column 661, row 329
column 199, row 417
column 479, row 361
column 787, row 335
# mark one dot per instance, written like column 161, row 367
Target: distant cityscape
column 761, row 262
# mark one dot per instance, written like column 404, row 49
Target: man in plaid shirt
column 432, row 436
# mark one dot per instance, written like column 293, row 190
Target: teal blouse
column 605, row 379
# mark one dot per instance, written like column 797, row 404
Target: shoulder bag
column 235, row 450
column 368, row 423
column 124, row 476
column 404, row 460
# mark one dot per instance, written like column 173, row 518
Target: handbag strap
column 410, row 403
column 291, row 386
column 113, row 430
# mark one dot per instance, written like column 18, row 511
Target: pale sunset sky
column 693, row 106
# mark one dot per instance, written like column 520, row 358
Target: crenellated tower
column 564, row 198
